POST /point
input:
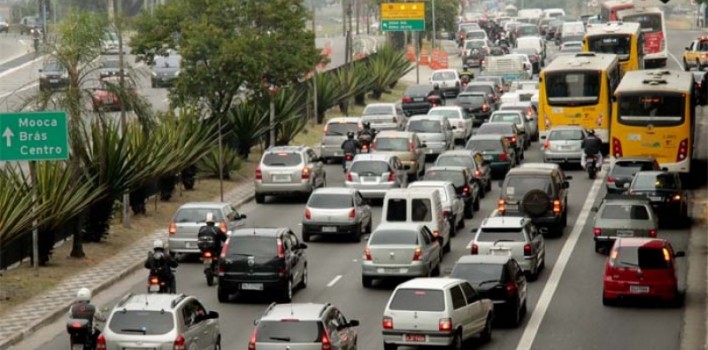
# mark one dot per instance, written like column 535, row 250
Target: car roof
column 471, row 93
column 651, row 173
column 567, row 127
column 640, row 242
column 635, row 159
column 430, row 283
column 525, row 104
column 483, row 259
column 258, row 231
column 299, row 311
column 205, row 205
column 276, row 149
column 335, row 190
column 425, row 117
column 401, row 226
column 344, row 120
column 531, row 171
column 446, row 108
column 380, row 104
column 611, row 198
column 372, row 156
column 487, row 137
column 507, row 112
column 504, row 221
column 425, row 183
column 458, row 152
column 550, row 166
column 151, row 302
column 498, row 123
column 396, row 134
column 444, row 70
column 480, row 83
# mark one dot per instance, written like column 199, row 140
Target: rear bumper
column 370, row 269
column 372, row 192
column 283, row 188
column 434, row 338
column 618, row 289
column 331, row 152
column 339, row 228
column 235, row 284
column 435, row 148
column 562, row 157
column 183, row 245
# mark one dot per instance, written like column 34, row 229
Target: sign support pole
column 417, row 54
column 35, row 228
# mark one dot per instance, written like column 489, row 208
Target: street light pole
column 314, row 75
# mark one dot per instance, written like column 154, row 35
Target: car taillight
column 207, row 254
column 367, row 254
column 501, row 206
column 391, row 177
column 512, row 139
column 308, row 214
column 252, row 341
column 477, row 173
column 387, row 323
column 436, row 234
column 475, row 249
column 610, row 179
column 485, row 107
column 352, row 214
column 557, row 206
column 417, row 253
column 616, row 147
column 305, row 173
column 172, row 229
column 547, row 145
column 364, row 148
column 502, row 156
column 406, row 99
column 511, row 289
column 259, row 174
column 466, row 191
column 348, row 157
column 326, row 344
column 445, row 324
column 411, row 146
column 225, row 248
column 676, row 197
column 446, row 213
column 596, row 231
column 527, row 249
column 179, row 343
column 652, row 233
column 281, row 249
column 101, row 342
column 683, row 150
column 154, row 280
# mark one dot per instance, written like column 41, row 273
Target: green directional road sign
column 34, row 136
column 390, row 25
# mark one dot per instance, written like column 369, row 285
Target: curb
column 62, row 310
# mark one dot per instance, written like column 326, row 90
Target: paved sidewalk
column 53, row 304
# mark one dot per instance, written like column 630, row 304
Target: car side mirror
column 664, row 169
column 593, row 209
column 353, row 323
column 212, row 315
column 626, row 185
column 679, row 254
column 302, row 246
column 242, row 216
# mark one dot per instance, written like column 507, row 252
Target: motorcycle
column 591, row 166
column 365, row 142
column 434, row 100
column 81, row 334
column 157, row 285
column 209, row 259
column 464, row 81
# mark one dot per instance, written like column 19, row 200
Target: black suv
column 415, row 100
column 262, row 259
column 538, row 192
column 476, row 104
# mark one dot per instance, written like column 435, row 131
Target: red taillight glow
column 446, row 213
column 325, row 128
column 512, row 139
column 683, row 151
column 326, row 344
column 610, row 179
column 547, row 145
column 308, row 214
column 75, row 325
column 154, row 280
column 406, row 99
column 391, row 177
column 352, row 214
column 411, row 146
column 466, row 191
column 417, row 253
column 557, row 208
column 349, row 176
column 101, row 343
column 207, row 255
column 281, row 249
column 225, row 248
column 436, row 233
column 652, row 233
column 252, row 341
column 223, row 227
column 179, row 343
column 596, row 231
column 445, row 324
column 501, row 206
column 172, row 229
column 387, row 323
column 511, row 289
column 259, row 174
column 485, row 107
column 502, row 156
column 306, row 173
column 477, row 173
column 527, row 249
column 367, row 254
column 475, row 249
column 348, row 157
column 616, row 147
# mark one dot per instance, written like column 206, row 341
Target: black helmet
column 350, row 135
column 367, row 125
column 436, row 86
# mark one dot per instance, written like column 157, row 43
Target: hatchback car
column 533, row 55
column 518, row 119
column 508, row 130
column 374, row 174
column 304, row 326
column 436, row 312
column 434, row 131
column 166, row 70
column 453, row 206
column 160, row 321
column 622, row 216
column 474, row 161
column 498, row 278
column 478, row 106
column 415, row 100
column 641, row 268
column 263, row 259
column 336, row 211
column 460, row 120
column 53, row 76
column 108, row 98
column 513, row 236
column 404, row 145
column 448, row 80
column 564, row 145
column 623, row 170
column 528, row 111
column 384, row 116
column 499, row 82
column 665, row 191
column 190, row 217
column 400, row 250
column 496, row 151
column 465, row 183
column 288, row 170
column 335, row 133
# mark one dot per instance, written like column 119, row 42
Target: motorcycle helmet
column 209, row 218
column 350, row 135
column 591, row 132
column 465, row 67
column 367, row 125
column 83, row 295
column 436, row 86
column 158, row 244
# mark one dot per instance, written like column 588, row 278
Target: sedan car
column 508, row 130
column 414, row 100
column 190, row 217
column 472, row 160
column 460, row 120
column 404, row 145
column 534, row 57
column 623, row 171
column 53, row 76
column 434, row 131
column 400, row 250
column 623, row 216
column 448, row 80
column 374, row 174
column 288, row 170
column 453, row 206
column 108, row 96
column 665, row 191
column 165, row 71
column 466, row 186
column 564, row 145
column 384, row 116
column 528, row 111
column 336, row 211
column 496, row 151
column 477, row 105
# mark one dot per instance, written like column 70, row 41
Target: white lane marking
column 549, row 289
column 14, row 69
column 679, row 63
column 24, row 88
column 334, row 281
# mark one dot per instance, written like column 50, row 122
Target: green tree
column 446, row 12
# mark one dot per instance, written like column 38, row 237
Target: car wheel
column 476, row 204
column 599, row 248
column 260, row 198
column 303, row 282
column 388, row 346
column 482, row 192
column 489, row 185
column 515, row 317
column 686, row 67
column 461, row 224
column 608, row 301
column 521, row 157
column 446, row 248
column 486, row 334
column 217, row 346
column 223, row 294
column 305, row 236
column 368, row 227
column 456, row 342
column 366, row 281
column 524, row 310
column 469, row 212
column 356, row 236
column 287, row 292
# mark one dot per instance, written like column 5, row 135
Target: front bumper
column 415, row 269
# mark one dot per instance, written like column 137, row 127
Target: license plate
column 251, row 286
column 53, row 81
column 154, row 288
column 488, row 157
column 625, row 233
column 418, row 338
column 329, row 229
column 369, row 179
column 639, row 289
column 281, row 178
column 655, row 199
column 190, row 245
column 566, row 147
column 403, row 270
column 418, row 99
column 502, row 252
column 77, row 346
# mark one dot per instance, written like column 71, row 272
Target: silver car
column 335, row 133
column 374, row 174
column 563, row 144
column 336, row 211
column 287, row 170
column 623, row 216
column 453, row 206
column 400, row 250
column 460, row 120
column 190, row 217
column 518, row 119
column 434, row 131
column 528, row 111
column 384, row 116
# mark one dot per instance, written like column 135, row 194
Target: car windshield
column 168, row 62
column 566, row 135
column 627, row 169
column 618, row 44
column 368, row 167
column 330, row 201
column 640, row 257
column 289, row 331
column 418, row 300
column 477, row 273
column 378, row 110
column 516, row 187
column 455, row 161
column 141, row 322
column 502, row 129
column 394, row 237
column 664, row 181
column 485, row 145
column 625, row 212
column 506, row 117
column 196, row 215
column 425, row 126
column 471, row 99
column 252, row 245
column 391, row 144
column 573, row 88
column 448, row 113
column 491, row 234
column 455, row 176
column 282, row 159
column 340, row 129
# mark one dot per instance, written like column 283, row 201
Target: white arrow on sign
column 8, row 136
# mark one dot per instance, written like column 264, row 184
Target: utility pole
column 314, row 75
column 435, row 33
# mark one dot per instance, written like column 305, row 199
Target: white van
column 534, row 14
column 553, row 13
column 418, row 205
column 532, row 42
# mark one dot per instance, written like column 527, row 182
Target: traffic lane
column 677, row 40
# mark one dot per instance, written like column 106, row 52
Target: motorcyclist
column 466, row 72
column 215, row 233
column 437, row 92
column 592, row 146
column 161, row 263
column 349, row 146
column 367, row 130
column 83, row 309
column 36, row 36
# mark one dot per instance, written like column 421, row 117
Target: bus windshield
column 619, row 45
column 657, row 109
column 649, row 22
column 573, row 88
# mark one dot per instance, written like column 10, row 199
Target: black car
column 499, row 81
column 53, row 76
column 488, row 87
column 499, row 278
column 414, row 100
column 261, row 260
column 665, row 192
column 466, row 185
column 478, row 104
column 700, row 80
column 165, row 70
column 624, row 169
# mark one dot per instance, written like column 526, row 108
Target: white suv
column 436, row 312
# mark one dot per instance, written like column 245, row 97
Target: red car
column 642, row 268
column 105, row 99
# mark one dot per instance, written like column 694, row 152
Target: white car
column 448, row 80
column 453, row 206
column 460, row 120
column 436, row 312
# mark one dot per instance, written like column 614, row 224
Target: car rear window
column 418, row 91
column 141, row 322
column 569, row 135
column 479, row 88
column 330, row 201
column 495, row 129
column 377, row 110
column 625, row 212
column 625, row 170
column 456, row 177
column 455, row 161
column 397, row 210
column 364, row 167
column 418, row 300
column 518, row 186
column 491, row 234
column 425, row 126
column 506, row 117
column 196, row 215
column 422, row 211
column 255, row 245
column 450, row 114
column 485, row 145
column 394, row 237
column 471, row 99
column 339, row 129
column 391, row 144
column 664, row 181
column 477, row 273
column 282, row 159
column 289, row 331
column 641, row 257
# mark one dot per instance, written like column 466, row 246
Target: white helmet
column 209, row 218
column 83, row 295
column 158, row 244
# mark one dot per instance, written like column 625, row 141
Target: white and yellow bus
column 622, row 39
column 654, row 115
column 576, row 90
column 651, row 21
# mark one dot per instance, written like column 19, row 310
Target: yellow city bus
column 576, row 90
column 653, row 115
column 622, row 39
